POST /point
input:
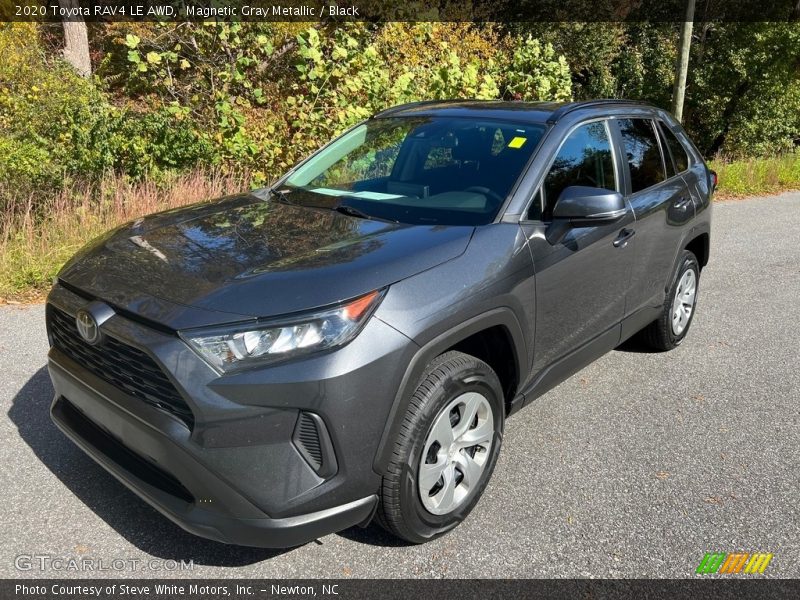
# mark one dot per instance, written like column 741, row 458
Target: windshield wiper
column 351, row 211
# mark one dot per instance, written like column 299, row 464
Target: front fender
column 415, row 372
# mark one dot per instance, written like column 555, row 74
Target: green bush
column 50, row 116
column 535, row 72
column 264, row 95
column 344, row 77
column 211, row 75
column 56, row 124
column 25, row 161
column 140, row 144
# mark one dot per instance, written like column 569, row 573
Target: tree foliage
column 744, row 78
column 744, row 88
column 56, row 124
column 264, row 95
column 536, row 72
column 260, row 96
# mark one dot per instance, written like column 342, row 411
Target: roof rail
column 400, row 107
column 573, row 106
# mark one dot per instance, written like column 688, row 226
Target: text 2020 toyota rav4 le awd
column 274, row 366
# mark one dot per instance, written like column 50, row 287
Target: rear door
column 662, row 205
column 693, row 172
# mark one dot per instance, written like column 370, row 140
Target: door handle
column 682, row 204
column 623, row 238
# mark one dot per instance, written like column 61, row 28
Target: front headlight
column 233, row 347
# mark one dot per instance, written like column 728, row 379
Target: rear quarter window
column 679, row 154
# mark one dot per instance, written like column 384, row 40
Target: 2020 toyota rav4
column 346, row 345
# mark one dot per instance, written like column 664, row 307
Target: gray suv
column 345, row 346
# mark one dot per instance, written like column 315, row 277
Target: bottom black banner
column 257, row 589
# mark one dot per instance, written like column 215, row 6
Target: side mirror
column 585, row 206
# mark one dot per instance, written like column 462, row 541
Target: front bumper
column 165, row 493
column 236, row 475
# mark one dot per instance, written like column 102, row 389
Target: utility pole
column 679, row 91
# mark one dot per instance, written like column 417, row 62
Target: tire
column 662, row 334
column 457, row 383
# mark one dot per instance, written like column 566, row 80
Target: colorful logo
column 737, row 562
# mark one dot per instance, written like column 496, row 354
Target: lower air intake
column 312, row 440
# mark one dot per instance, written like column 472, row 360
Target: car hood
column 245, row 257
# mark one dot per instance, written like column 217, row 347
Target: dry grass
column 38, row 235
column 757, row 176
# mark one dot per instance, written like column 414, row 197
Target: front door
column 582, row 279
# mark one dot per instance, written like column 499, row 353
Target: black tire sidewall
column 688, row 261
column 470, row 379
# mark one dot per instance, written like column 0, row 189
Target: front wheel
column 669, row 330
column 446, row 450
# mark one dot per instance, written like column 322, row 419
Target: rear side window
column 676, row 149
column 584, row 159
column 642, row 153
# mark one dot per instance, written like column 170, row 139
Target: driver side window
column 584, row 159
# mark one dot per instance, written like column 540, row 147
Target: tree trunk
column 76, row 41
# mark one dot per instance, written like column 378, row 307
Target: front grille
column 121, row 365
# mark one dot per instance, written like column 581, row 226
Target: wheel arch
column 700, row 246
column 469, row 334
column 698, row 238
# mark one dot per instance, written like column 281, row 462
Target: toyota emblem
column 87, row 326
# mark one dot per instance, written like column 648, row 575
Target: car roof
column 517, row 111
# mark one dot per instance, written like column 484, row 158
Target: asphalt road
column 635, row 467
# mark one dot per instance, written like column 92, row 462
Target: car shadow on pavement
column 130, row 516
column 373, row 535
column 635, row 345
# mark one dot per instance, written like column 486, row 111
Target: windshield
column 418, row 170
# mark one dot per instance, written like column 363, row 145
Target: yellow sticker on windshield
column 517, row 142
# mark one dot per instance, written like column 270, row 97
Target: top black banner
column 382, row 11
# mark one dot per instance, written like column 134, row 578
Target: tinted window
column 584, row 159
column 418, row 170
column 676, row 149
column 642, row 152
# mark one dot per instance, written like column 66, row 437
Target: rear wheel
column 669, row 330
column 446, row 450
